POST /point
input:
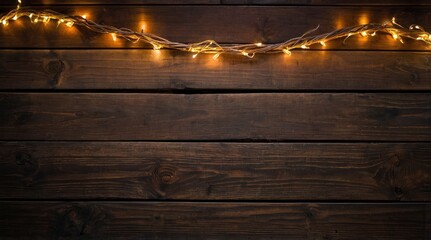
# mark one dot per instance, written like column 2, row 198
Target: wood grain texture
column 279, row 116
column 240, row 24
column 216, row 2
column 215, row 171
column 324, row 2
column 138, row 69
column 196, row 220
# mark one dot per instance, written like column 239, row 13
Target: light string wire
column 304, row 41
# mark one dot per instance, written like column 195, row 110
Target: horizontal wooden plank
column 109, row 2
column 197, row 220
column 318, row 2
column 241, row 24
column 215, row 171
column 280, row 116
column 216, row 2
column 137, row 69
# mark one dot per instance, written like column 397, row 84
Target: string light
column 305, row 41
column 216, row 56
column 286, row 51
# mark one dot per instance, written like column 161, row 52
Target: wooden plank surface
column 148, row 69
column 278, row 116
column 241, row 24
column 216, row 2
column 215, row 171
column 197, row 220
column 42, row 116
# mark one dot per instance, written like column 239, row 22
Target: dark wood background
column 112, row 140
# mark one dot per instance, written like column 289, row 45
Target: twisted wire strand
column 304, row 41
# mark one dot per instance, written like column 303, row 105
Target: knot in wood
column 80, row 220
column 166, row 174
column 55, row 68
column 395, row 160
column 27, row 164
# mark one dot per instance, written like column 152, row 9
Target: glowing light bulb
column 304, row 47
column 216, row 56
column 30, row 16
column 69, row 24
column 195, row 55
column 286, row 51
column 46, row 19
column 19, row 1
column 323, row 43
column 84, row 16
column 258, row 44
column 373, row 34
column 4, row 22
column 15, row 17
column 394, row 36
column 364, row 34
column 114, row 37
column 156, row 47
column 36, row 20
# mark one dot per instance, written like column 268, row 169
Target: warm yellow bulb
column 31, row 15
column 156, row 47
column 69, row 24
column 364, row 34
column 323, row 43
column 84, row 16
column 394, row 36
column 4, row 22
column 216, row 56
column 15, row 17
column 305, row 47
column 258, row 44
column 287, row 52
column 195, row 55
column 114, row 37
